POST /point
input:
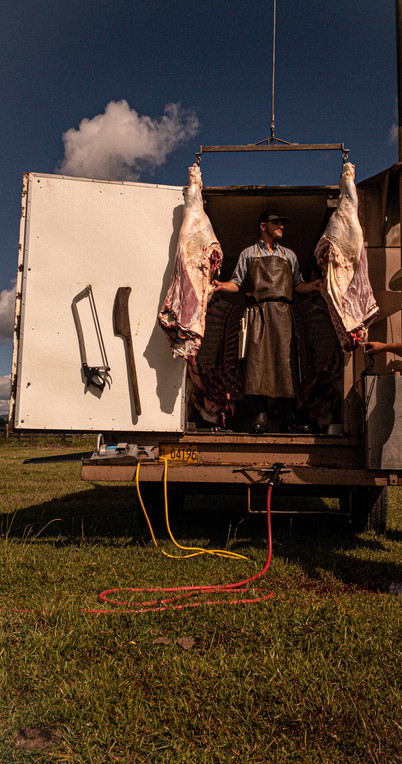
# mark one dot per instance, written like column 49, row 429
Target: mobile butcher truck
column 104, row 270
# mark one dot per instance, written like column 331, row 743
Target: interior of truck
column 215, row 397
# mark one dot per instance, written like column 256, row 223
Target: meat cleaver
column 121, row 322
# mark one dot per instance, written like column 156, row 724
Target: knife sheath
column 121, row 322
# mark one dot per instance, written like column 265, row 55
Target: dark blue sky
column 65, row 60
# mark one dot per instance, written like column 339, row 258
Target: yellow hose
column 175, row 557
column 194, row 550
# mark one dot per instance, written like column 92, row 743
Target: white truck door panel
column 81, row 232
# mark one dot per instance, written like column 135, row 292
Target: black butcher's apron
column 270, row 363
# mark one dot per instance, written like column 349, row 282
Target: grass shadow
column 315, row 542
column 109, row 512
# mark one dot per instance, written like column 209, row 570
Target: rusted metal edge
column 153, row 472
column 18, row 300
column 208, row 439
column 330, row 191
column 276, row 147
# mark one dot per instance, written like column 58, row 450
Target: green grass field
column 309, row 675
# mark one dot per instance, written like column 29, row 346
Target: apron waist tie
column 253, row 302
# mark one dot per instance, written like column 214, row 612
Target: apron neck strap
column 271, row 253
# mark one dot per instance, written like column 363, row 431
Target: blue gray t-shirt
column 250, row 253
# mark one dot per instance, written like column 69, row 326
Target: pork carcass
column 197, row 261
column 342, row 258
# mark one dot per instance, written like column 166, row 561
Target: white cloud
column 5, row 387
column 120, row 144
column 393, row 134
column 393, row 131
column 7, row 307
column 4, row 409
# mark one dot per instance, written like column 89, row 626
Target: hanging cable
column 194, row 550
column 272, row 138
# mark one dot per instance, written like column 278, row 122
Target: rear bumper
column 234, row 474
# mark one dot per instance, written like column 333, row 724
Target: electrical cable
column 179, row 592
column 195, row 550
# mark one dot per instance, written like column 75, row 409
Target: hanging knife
column 121, row 322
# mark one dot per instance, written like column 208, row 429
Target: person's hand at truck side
column 374, row 348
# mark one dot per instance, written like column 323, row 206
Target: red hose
column 189, row 591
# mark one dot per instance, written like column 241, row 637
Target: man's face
column 274, row 229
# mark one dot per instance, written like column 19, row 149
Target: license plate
column 174, row 452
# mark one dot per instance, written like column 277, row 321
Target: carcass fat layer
column 341, row 255
column 197, row 261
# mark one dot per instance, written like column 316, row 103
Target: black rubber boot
column 289, row 420
column 260, row 414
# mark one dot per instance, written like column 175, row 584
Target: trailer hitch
column 276, row 471
column 272, row 473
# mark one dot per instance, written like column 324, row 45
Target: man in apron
column 268, row 273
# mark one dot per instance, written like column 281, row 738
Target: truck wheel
column 369, row 508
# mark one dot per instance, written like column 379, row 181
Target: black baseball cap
column 269, row 215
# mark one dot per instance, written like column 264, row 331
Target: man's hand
column 309, row 287
column 315, row 285
column 225, row 286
